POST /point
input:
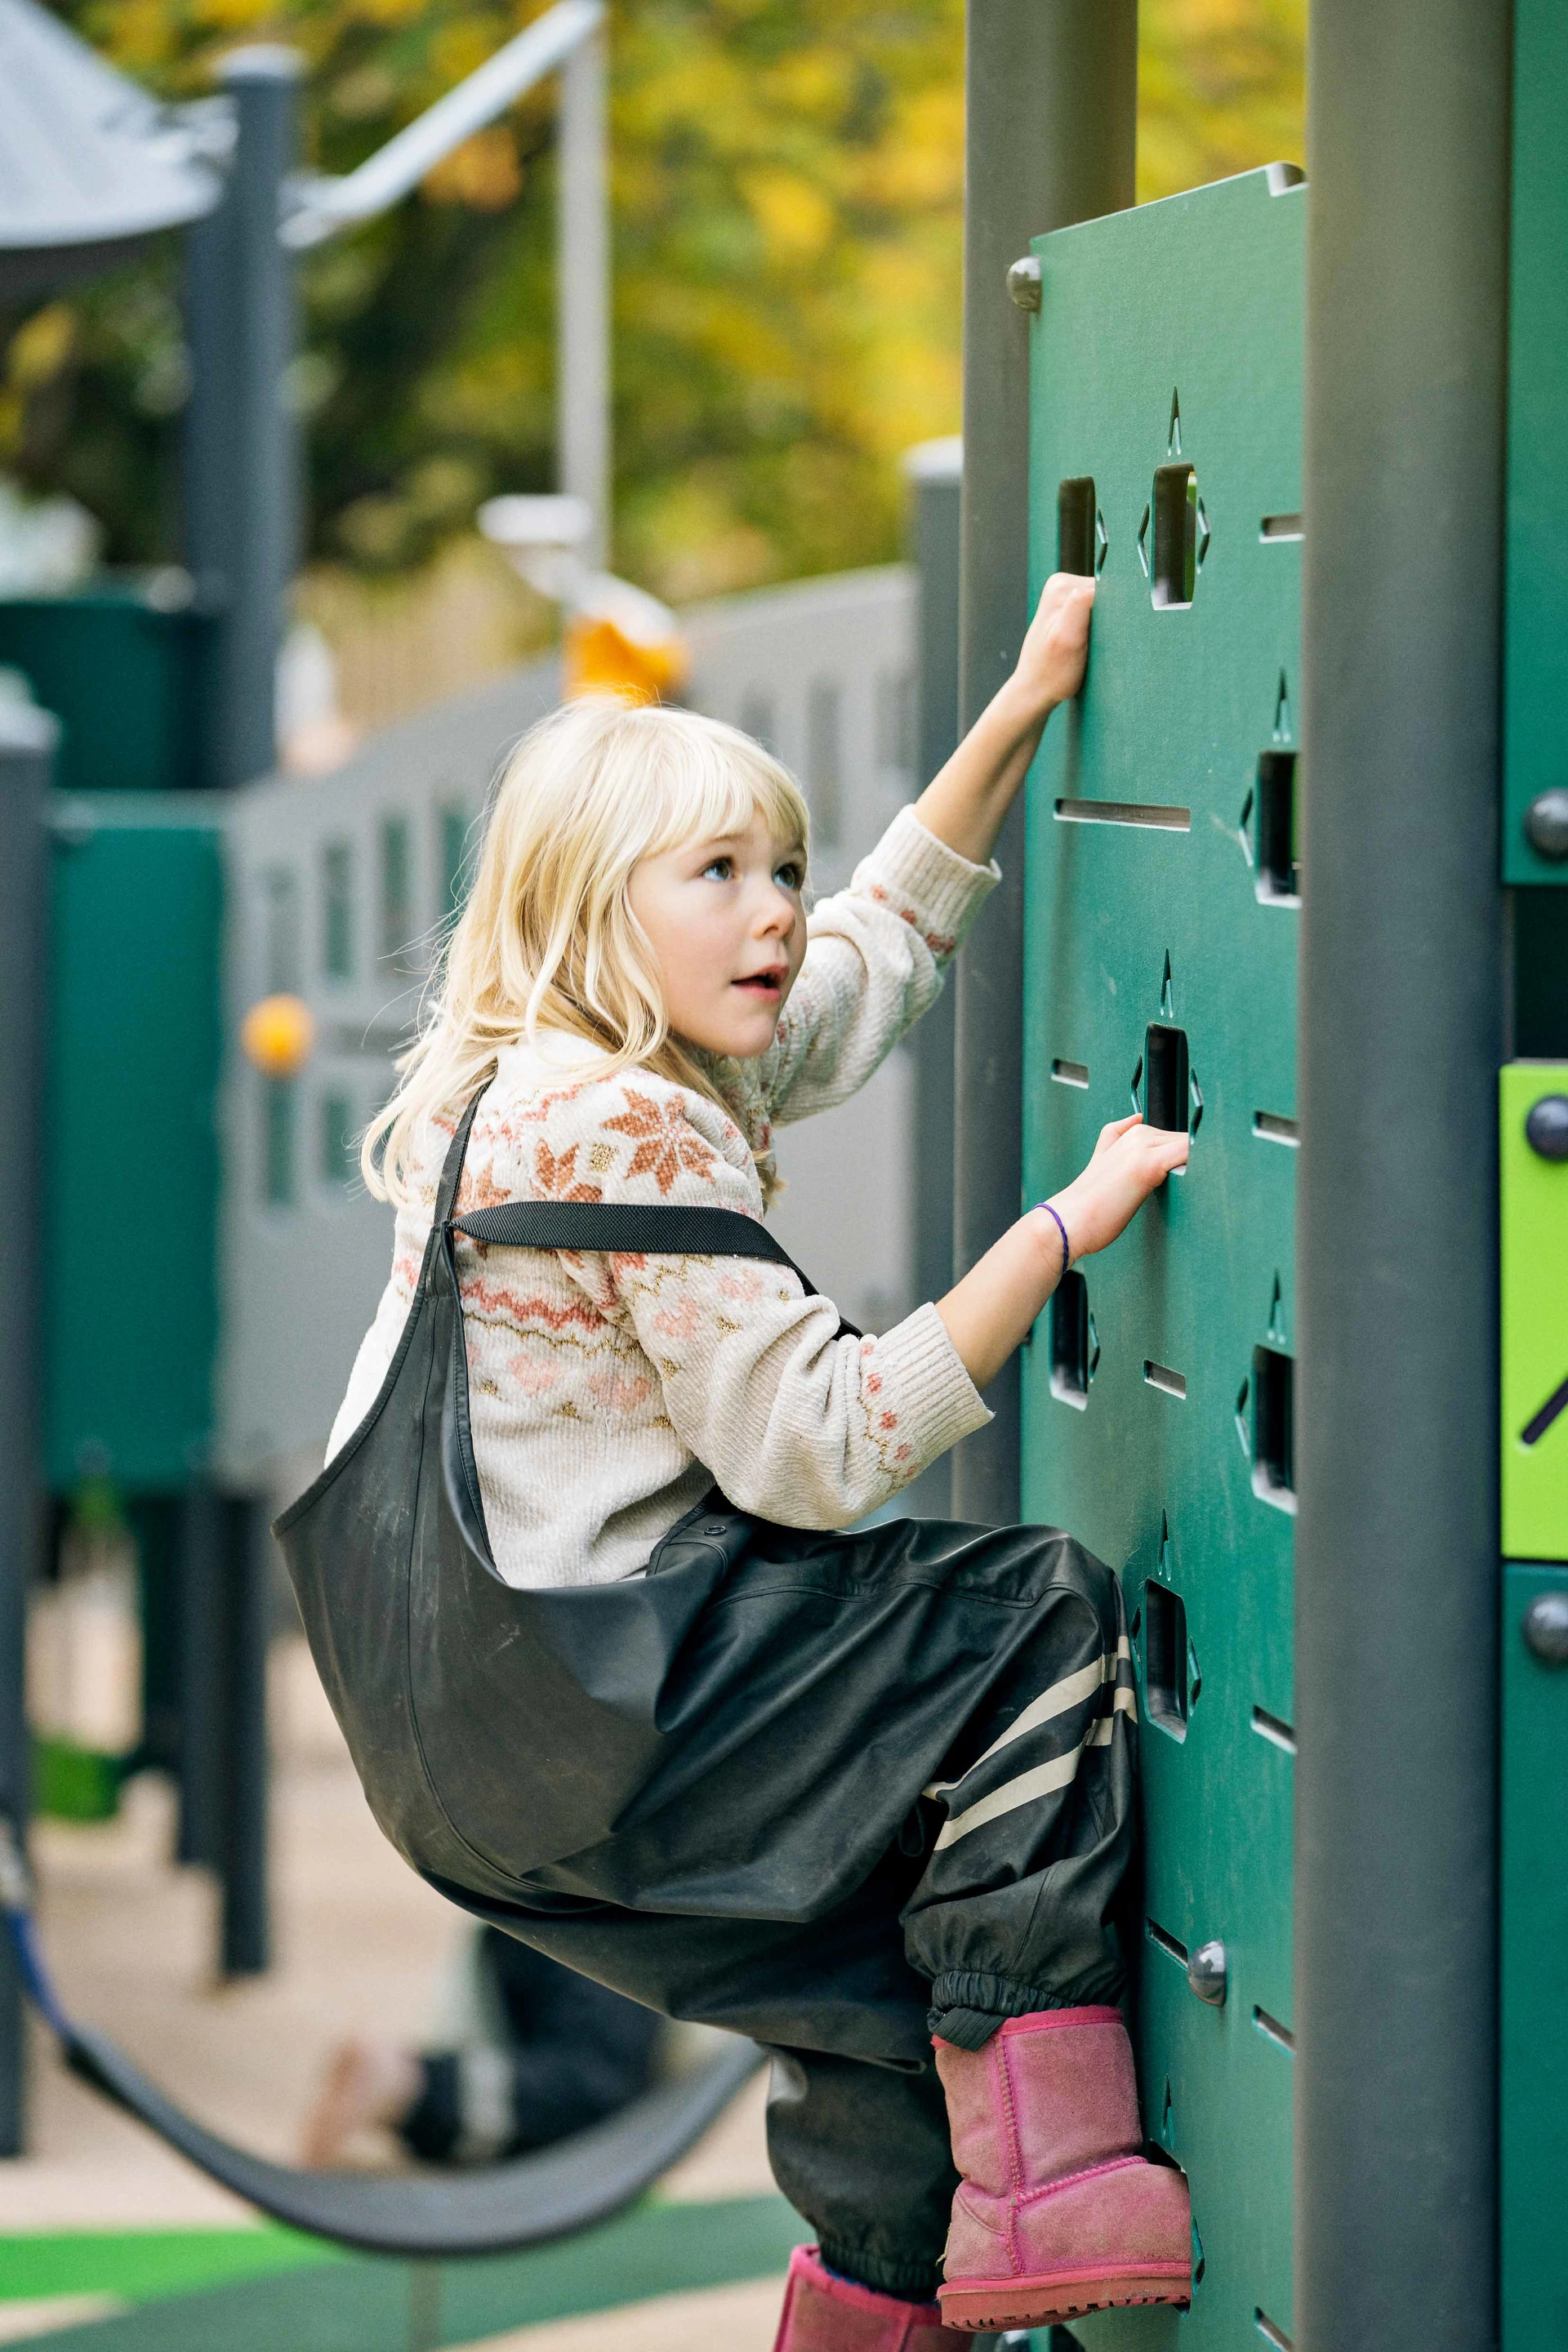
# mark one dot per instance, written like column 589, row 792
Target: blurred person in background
column 538, row 2053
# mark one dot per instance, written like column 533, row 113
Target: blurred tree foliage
column 787, row 189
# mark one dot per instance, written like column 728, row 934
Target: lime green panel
column 1536, row 655
column 131, row 1308
column 1172, row 337
column 1535, row 2012
column 1534, row 1323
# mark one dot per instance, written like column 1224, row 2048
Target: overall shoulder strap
column 452, row 1166
column 630, row 1227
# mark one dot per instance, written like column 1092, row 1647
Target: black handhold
column 1207, row 1973
column 1546, row 824
column 1546, row 1629
column 1546, row 1129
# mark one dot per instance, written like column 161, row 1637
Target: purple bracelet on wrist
column 1067, row 1245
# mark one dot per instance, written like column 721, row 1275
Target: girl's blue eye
column 721, row 867
column 790, row 876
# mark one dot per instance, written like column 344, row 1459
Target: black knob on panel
column 1206, row 1973
column 1546, row 1630
column 1546, row 824
column 1546, row 1129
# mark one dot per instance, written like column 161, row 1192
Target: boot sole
column 1043, row 2302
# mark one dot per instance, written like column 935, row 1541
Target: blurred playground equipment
column 1290, row 876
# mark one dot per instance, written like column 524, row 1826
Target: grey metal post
column 1402, row 995
column 936, row 471
column 582, row 292
column 1051, row 120
column 28, row 740
column 243, row 456
column 202, row 1566
column 246, row 1943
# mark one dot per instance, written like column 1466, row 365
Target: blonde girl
column 638, row 1693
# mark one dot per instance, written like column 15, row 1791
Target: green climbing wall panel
column 1536, row 659
column 1534, row 2053
column 1163, row 884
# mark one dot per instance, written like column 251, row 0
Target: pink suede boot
column 1058, row 2212
column 824, row 2314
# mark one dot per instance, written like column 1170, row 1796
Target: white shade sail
column 89, row 162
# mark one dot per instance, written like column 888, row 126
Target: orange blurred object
column 599, row 658
column 279, row 1035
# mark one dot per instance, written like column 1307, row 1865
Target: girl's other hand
column 996, row 1304
column 1130, row 1161
column 1051, row 663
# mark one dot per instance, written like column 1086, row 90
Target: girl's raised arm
column 966, row 801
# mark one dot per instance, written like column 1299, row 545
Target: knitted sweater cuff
column 935, row 888
column 921, row 1375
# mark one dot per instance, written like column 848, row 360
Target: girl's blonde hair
column 548, row 939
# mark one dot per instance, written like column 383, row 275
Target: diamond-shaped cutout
column 1143, row 542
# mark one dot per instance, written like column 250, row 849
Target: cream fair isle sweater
column 609, row 1392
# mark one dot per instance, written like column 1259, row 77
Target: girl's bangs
column 714, row 786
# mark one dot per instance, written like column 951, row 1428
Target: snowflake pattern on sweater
column 608, row 1391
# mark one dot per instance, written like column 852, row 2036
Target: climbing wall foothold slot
column 1069, row 1341
column 1274, row 1427
column 1272, row 2030
column 1275, row 1729
column 1168, row 1102
column 1165, row 1662
column 1178, row 528
column 1077, row 547
column 1277, row 856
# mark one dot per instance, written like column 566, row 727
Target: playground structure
column 1307, row 435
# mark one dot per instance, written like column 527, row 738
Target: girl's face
column 726, row 920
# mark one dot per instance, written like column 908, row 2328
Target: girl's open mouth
column 765, row 984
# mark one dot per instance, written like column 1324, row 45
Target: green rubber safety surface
column 1164, row 878
column 1535, row 1273
column 137, row 2264
column 354, row 2304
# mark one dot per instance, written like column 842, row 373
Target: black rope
column 556, row 2192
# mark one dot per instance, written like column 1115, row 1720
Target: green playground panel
column 1536, row 642
column 1534, row 1199
column 130, row 680
column 132, row 1156
column 1163, row 882
column 1534, row 2053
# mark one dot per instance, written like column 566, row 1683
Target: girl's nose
column 778, row 914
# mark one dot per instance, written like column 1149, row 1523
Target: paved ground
column 360, row 1944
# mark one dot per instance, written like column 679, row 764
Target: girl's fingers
column 1116, row 1129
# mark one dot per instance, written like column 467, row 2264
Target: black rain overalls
column 832, row 1790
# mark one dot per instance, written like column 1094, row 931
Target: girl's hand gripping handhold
column 994, row 1307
